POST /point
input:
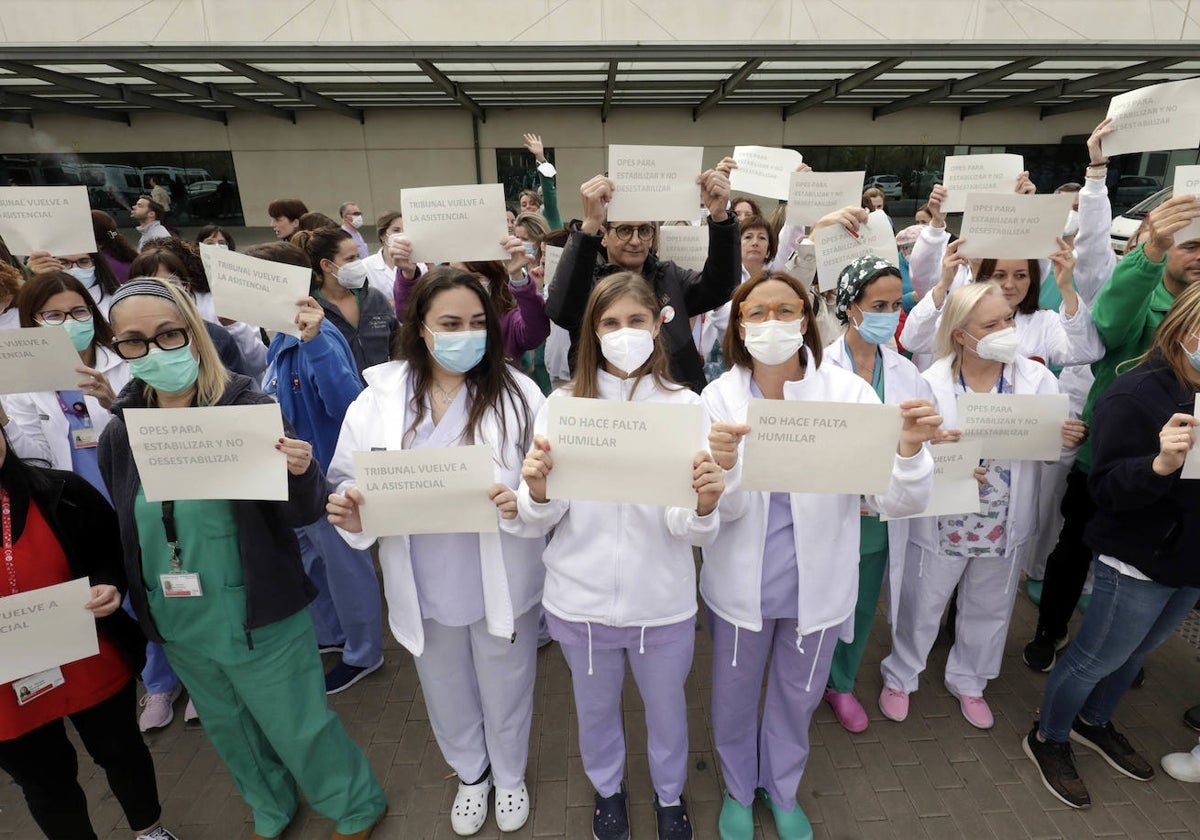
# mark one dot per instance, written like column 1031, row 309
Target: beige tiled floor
column 931, row 777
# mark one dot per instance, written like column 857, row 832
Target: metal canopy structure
column 207, row 82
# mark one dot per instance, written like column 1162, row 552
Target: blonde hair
column 956, row 312
column 213, row 377
column 1182, row 320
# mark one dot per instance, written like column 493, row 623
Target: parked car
column 1125, row 225
column 889, row 185
column 1133, row 189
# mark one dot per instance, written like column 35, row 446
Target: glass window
column 517, row 170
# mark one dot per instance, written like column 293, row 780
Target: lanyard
column 168, row 520
column 68, row 409
column 999, row 384
column 10, row 565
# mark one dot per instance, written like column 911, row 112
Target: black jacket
column 371, row 341
column 86, row 528
column 689, row 293
column 1149, row 521
column 276, row 585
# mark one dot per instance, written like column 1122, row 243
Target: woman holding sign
column 235, row 626
column 980, row 553
column 870, row 297
column 464, row 604
column 769, row 542
column 620, row 578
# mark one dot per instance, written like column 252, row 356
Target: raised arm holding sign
column 764, row 171
column 457, row 223
column 965, row 174
column 1155, row 118
column 253, row 290
column 1013, row 227
column 654, row 183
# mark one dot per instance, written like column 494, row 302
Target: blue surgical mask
column 1193, row 358
column 877, row 327
column 169, row 371
column 81, row 333
column 459, row 351
column 86, row 276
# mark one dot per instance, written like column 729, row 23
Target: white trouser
column 479, row 693
column 987, row 587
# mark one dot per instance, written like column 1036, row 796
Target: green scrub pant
column 267, row 716
column 847, row 657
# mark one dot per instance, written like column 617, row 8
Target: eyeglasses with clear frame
column 754, row 312
column 136, row 348
column 57, row 317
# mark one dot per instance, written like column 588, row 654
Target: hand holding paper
column 708, row 480
column 342, row 510
column 1176, row 442
column 504, row 499
column 921, row 425
column 1175, row 214
column 723, row 442
column 1187, row 183
column 536, row 468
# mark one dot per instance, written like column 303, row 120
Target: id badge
column 85, row 438
column 34, row 686
column 181, row 585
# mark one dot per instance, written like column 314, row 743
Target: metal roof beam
column 292, row 90
column 956, row 86
column 451, row 89
column 1064, row 86
column 726, row 87
column 610, row 87
column 841, row 86
column 206, row 91
column 54, row 106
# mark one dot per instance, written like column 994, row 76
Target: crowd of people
column 393, row 353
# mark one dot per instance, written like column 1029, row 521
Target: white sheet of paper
column 443, row 490
column 1014, row 427
column 45, row 628
column 620, row 451
column 209, row 452
column 812, row 195
column 463, row 223
column 1191, row 467
column 965, row 174
column 1187, row 182
column 685, row 246
column 553, row 255
column 1155, row 118
column 764, row 170
column 37, row 359
column 955, row 489
column 259, row 292
column 1013, row 227
column 798, row 446
column 54, row 219
column 836, row 248
column 654, row 183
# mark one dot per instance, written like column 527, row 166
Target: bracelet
column 1101, row 165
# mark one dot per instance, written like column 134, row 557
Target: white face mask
column 774, row 342
column 627, row 349
column 352, row 275
column 1000, row 346
column 1072, row 226
column 356, row 221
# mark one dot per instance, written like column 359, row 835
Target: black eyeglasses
column 136, row 348
column 57, row 317
column 625, row 232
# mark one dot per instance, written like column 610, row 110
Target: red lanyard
column 10, row 565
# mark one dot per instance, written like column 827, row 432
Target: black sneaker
column 1192, row 717
column 1041, row 653
column 673, row 822
column 1056, row 766
column 1113, row 748
column 611, row 820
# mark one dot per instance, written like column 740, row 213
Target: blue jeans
column 349, row 605
column 1126, row 619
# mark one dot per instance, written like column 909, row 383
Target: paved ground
column 931, row 777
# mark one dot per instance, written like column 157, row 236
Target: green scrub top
column 872, row 535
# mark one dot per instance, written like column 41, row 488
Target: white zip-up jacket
column 39, row 430
column 617, row 564
column 826, row 526
column 510, row 560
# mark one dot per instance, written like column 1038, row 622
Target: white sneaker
column 158, row 709
column 512, row 807
column 157, row 833
column 470, row 809
column 1182, row 766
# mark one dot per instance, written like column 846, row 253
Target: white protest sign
column 654, row 183
column 1187, row 182
column 442, row 490
column 1013, row 227
column 955, row 489
column 966, row 174
column 621, row 451
column 812, row 195
column 463, row 223
column 54, row 219
column 255, row 291
column 837, row 247
column 798, row 446
column 1191, row 467
column 687, row 247
column 37, row 359
column 45, row 628
column 209, row 452
column 1014, row 427
column 763, row 170
column 1155, row 118
column 553, row 255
